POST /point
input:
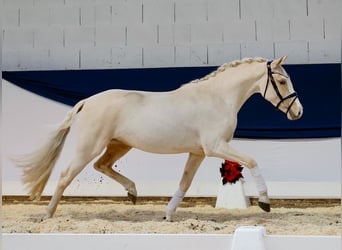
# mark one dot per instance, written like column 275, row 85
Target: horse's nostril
column 299, row 113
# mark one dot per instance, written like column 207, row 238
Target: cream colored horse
column 199, row 118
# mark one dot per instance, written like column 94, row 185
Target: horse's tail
column 37, row 166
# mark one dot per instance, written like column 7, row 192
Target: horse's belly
column 161, row 141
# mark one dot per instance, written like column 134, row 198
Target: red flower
column 230, row 172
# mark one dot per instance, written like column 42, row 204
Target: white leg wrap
column 176, row 199
column 260, row 182
column 174, row 203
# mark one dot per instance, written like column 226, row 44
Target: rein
column 275, row 87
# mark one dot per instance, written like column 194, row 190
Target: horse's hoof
column 132, row 198
column 47, row 216
column 167, row 218
column 265, row 206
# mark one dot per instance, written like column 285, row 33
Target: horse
column 198, row 118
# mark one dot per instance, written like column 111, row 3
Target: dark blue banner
column 318, row 87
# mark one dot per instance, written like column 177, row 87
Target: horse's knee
column 100, row 166
column 97, row 167
column 63, row 181
column 67, row 176
column 251, row 163
column 64, row 173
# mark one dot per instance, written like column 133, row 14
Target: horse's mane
column 226, row 66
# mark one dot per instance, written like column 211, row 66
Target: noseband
column 275, row 87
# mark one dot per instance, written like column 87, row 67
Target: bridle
column 270, row 78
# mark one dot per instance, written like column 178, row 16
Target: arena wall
column 76, row 34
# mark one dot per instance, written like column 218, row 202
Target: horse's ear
column 279, row 61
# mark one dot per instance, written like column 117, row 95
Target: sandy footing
column 108, row 216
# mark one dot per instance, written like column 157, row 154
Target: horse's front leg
column 192, row 164
column 225, row 151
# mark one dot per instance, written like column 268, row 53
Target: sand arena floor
column 80, row 215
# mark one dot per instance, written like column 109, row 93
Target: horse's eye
column 282, row 82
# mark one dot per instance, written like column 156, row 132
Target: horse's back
column 103, row 110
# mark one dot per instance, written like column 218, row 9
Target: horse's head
column 279, row 91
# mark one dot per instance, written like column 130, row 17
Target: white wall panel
column 275, row 30
column 83, row 37
column 96, row 58
column 325, row 8
column 49, row 38
column 87, row 15
column 182, row 34
column 78, row 2
column 223, row 53
column 308, row 28
column 26, row 59
column 34, row 17
column 322, row 51
column 198, row 55
column 36, row 57
column 254, row 10
column 191, row 11
column 240, row 31
column 18, row 38
column 161, row 56
column 223, row 11
column 158, row 11
column 103, row 15
column 127, row 56
column 49, row 3
column 64, row 58
column 10, row 17
column 257, row 49
column 192, row 26
column 332, row 28
column 18, row 3
column 126, row 12
column 204, row 33
column 166, row 34
column 110, row 35
column 142, row 35
column 182, row 55
column 11, row 57
column 297, row 51
column 65, row 16
column 288, row 9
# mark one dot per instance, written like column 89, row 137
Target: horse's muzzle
column 295, row 115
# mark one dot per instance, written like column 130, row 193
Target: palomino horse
column 199, row 118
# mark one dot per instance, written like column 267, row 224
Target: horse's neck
column 236, row 85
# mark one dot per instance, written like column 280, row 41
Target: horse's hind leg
column 65, row 179
column 85, row 153
column 115, row 150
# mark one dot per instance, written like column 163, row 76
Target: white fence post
column 249, row 238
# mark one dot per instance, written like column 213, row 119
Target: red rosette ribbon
column 230, row 172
